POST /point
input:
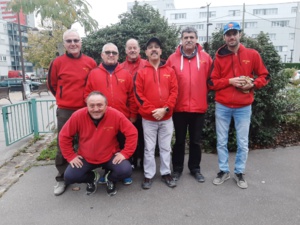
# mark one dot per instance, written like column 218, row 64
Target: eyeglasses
column 69, row 41
column 110, row 52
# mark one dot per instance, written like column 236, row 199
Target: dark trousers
column 85, row 174
column 183, row 122
column 139, row 152
column 61, row 163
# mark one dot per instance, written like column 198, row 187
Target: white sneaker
column 59, row 188
column 240, row 180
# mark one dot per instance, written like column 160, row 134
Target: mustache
column 154, row 52
column 189, row 42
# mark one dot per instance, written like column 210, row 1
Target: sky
column 107, row 12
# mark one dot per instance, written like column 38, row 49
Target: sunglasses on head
column 110, row 52
column 72, row 40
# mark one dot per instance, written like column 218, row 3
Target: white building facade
column 281, row 21
column 5, row 60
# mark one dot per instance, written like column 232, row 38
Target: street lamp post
column 207, row 22
column 292, row 55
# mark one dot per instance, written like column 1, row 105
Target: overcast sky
column 106, row 12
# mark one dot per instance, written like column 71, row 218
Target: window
column 199, row 26
column 201, row 38
column 2, row 58
column 204, row 14
column 294, row 9
column 281, row 48
column 283, row 23
column 273, row 11
column 250, row 24
column 272, row 36
column 220, row 25
column 177, row 16
column 292, row 36
column 234, row 12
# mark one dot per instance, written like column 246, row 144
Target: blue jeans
column 242, row 118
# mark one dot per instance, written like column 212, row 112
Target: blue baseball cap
column 231, row 26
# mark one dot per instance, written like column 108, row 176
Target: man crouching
column 97, row 126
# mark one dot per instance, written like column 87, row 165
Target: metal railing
column 29, row 117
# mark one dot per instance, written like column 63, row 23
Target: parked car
column 16, row 84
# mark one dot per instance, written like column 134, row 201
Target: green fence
column 29, row 117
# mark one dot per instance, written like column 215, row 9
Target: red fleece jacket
column 117, row 87
column 246, row 62
column 67, row 78
column 97, row 144
column 133, row 67
column 155, row 89
column 192, row 75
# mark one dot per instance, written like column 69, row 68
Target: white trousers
column 163, row 130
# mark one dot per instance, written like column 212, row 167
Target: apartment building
column 280, row 20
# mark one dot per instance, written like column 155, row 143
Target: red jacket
column 97, row 144
column 227, row 65
column 133, row 67
column 117, row 87
column 155, row 89
column 192, row 75
column 67, row 78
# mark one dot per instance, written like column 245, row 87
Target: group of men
column 116, row 113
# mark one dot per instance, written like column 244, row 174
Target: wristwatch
column 167, row 109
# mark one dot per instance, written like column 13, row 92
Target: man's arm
column 52, row 78
column 131, row 136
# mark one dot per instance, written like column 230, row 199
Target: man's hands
column 76, row 162
column 159, row 113
column 118, row 158
column 244, row 83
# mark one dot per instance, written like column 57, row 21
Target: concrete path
column 272, row 197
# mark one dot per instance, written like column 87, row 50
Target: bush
column 270, row 108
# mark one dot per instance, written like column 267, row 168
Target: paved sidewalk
column 272, row 197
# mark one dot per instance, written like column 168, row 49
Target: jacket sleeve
column 131, row 136
column 66, row 136
column 133, row 108
column 89, row 84
column 140, row 98
column 261, row 72
column 52, row 78
column 215, row 81
column 173, row 90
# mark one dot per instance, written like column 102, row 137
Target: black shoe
column 199, row 177
column 110, row 186
column 168, row 179
column 91, row 188
column 176, row 175
column 147, row 183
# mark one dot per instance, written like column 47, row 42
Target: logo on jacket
column 86, row 69
column 121, row 80
column 108, row 128
column 167, row 75
column 245, row 61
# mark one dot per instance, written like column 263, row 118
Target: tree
column 141, row 23
column 268, row 107
column 65, row 11
column 42, row 46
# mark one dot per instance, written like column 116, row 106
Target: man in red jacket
column 156, row 91
column 97, row 126
column 116, row 84
column 66, row 81
column 237, row 72
column 133, row 63
column 192, row 67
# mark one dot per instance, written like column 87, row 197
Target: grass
column 50, row 152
